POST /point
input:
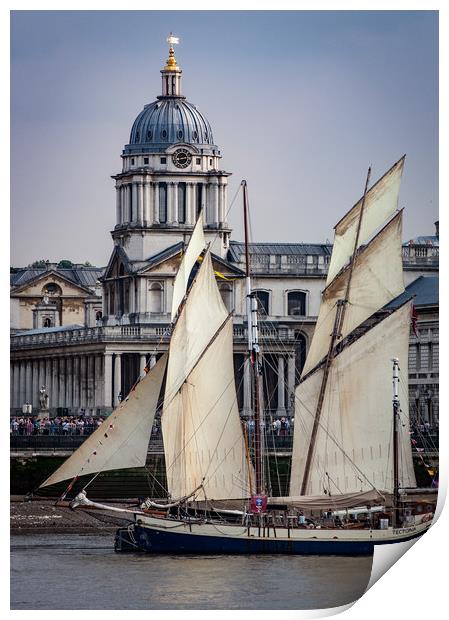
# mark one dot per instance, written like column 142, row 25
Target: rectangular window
column 163, row 203
column 163, row 160
column 132, row 161
column 198, row 161
column 146, row 160
column 211, row 161
column 182, row 203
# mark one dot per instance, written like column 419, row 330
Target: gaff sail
column 203, row 438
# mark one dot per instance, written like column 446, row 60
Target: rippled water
column 68, row 571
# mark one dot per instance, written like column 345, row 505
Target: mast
column 396, row 407
column 336, row 333
column 254, row 352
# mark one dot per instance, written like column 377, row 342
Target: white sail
column 196, row 245
column 353, row 448
column 380, row 204
column 121, row 441
column 203, row 438
column 377, row 278
column 201, row 316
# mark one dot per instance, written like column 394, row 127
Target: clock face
column 181, row 158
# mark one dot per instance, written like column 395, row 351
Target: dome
column 167, row 121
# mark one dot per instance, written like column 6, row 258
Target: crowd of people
column 60, row 425
column 280, row 427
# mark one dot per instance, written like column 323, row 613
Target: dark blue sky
column 300, row 104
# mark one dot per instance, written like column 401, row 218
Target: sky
column 300, row 103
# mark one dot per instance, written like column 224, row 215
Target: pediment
column 35, row 287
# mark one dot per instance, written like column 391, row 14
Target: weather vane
column 172, row 40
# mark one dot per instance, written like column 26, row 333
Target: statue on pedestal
column 43, row 402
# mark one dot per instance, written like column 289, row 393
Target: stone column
column 62, row 402
column 128, row 202
column 134, row 210
column 48, row 381
column 99, row 390
column 187, row 220
column 107, row 380
column 69, row 383
column 291, row 370
column 153, row 360
column 156, row 219
column 174, row 193
column 246, row 386
column 215, row 204
column 140, row 202
column 11, row 385
column 83, row 383
column 118, row 209
column 76, row 382
column 42, row 378
column 16, row 390
column 225, row 201
column 117, row 378
column 54, row 395
column 146, row 203
column 35, row 390
column 90, row 381
column 28, row 382
column 143, row 363
column 22, row 383
column 281, row 386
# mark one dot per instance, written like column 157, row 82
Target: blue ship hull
column 164, row 542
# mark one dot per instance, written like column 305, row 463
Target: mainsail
column 121, row 441
column 353, row 446
column 203, row 438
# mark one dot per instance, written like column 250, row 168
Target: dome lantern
column 171, row 73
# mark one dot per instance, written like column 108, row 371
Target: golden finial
column 171, row 60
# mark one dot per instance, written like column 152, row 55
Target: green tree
column 65, row 264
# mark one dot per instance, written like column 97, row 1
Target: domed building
column 171, row 171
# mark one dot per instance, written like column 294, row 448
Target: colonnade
column 89, row 382
column 95, row 382
column 285, row 384
column 139, row 202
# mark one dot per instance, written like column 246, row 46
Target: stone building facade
column 171, row 171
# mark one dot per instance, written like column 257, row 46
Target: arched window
column 263, row 302
column 98, row 315
column 156, row 298
column 226, row 295
column 296, row 302
column 47, row 322
column 52, row 289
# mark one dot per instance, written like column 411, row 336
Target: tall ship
column 352, row 483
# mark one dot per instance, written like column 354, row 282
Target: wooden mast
column 336, row 334
column 396, row 407
column 254, row 351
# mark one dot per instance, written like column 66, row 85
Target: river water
column 70, row 571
